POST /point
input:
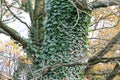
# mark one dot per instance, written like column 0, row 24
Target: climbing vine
column 65, row 39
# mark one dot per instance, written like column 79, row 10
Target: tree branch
column 104, row 60
column 100, row 4
column 15, row 15
column 2, row 31
column 13, row 34
column 107, row 48
column 96, row 4
column 37, row 7
column 98, row 60
column 111, row 43
column 111, row 75
column 101, row 74
column 54, row 67
column 30, row 10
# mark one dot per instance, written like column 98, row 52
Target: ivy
column 62, row 41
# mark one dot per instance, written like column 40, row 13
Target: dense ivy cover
column 64, row 42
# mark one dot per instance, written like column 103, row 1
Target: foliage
column 65, row 38
column 64, row 42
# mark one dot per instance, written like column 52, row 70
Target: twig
column 15, row 15
column 77, row 13
column 31, row 70
column 116, row 73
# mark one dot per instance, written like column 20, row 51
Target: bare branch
column 100, row 4
column 30, row 9
column 2, row 31
column 16, row 16
column 101, row 74
column 54, row 67
column 37, row 7
column 111, row 43
column 111, row 75
column 13, row 34
column 82, row 4
column 97, row 60
column 107, row 48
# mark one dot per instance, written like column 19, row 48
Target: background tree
column 103, row 29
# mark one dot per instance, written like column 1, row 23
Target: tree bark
column 83, row 5
column 100, row 4
column 13, row 34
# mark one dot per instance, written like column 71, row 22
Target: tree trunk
column 65, row 38
column 37, row 19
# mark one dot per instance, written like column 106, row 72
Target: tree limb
column 13, row 34
column 98, row 60
column 2, row 31
column 107, row 48
column 30, row 10
column 83, row 5
column 104, row 60
column 100, row 4
column 111, row 43
column 37, row 7
column 101, row 74
column 15, row 15
column 54, row 67
column 111, row 75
